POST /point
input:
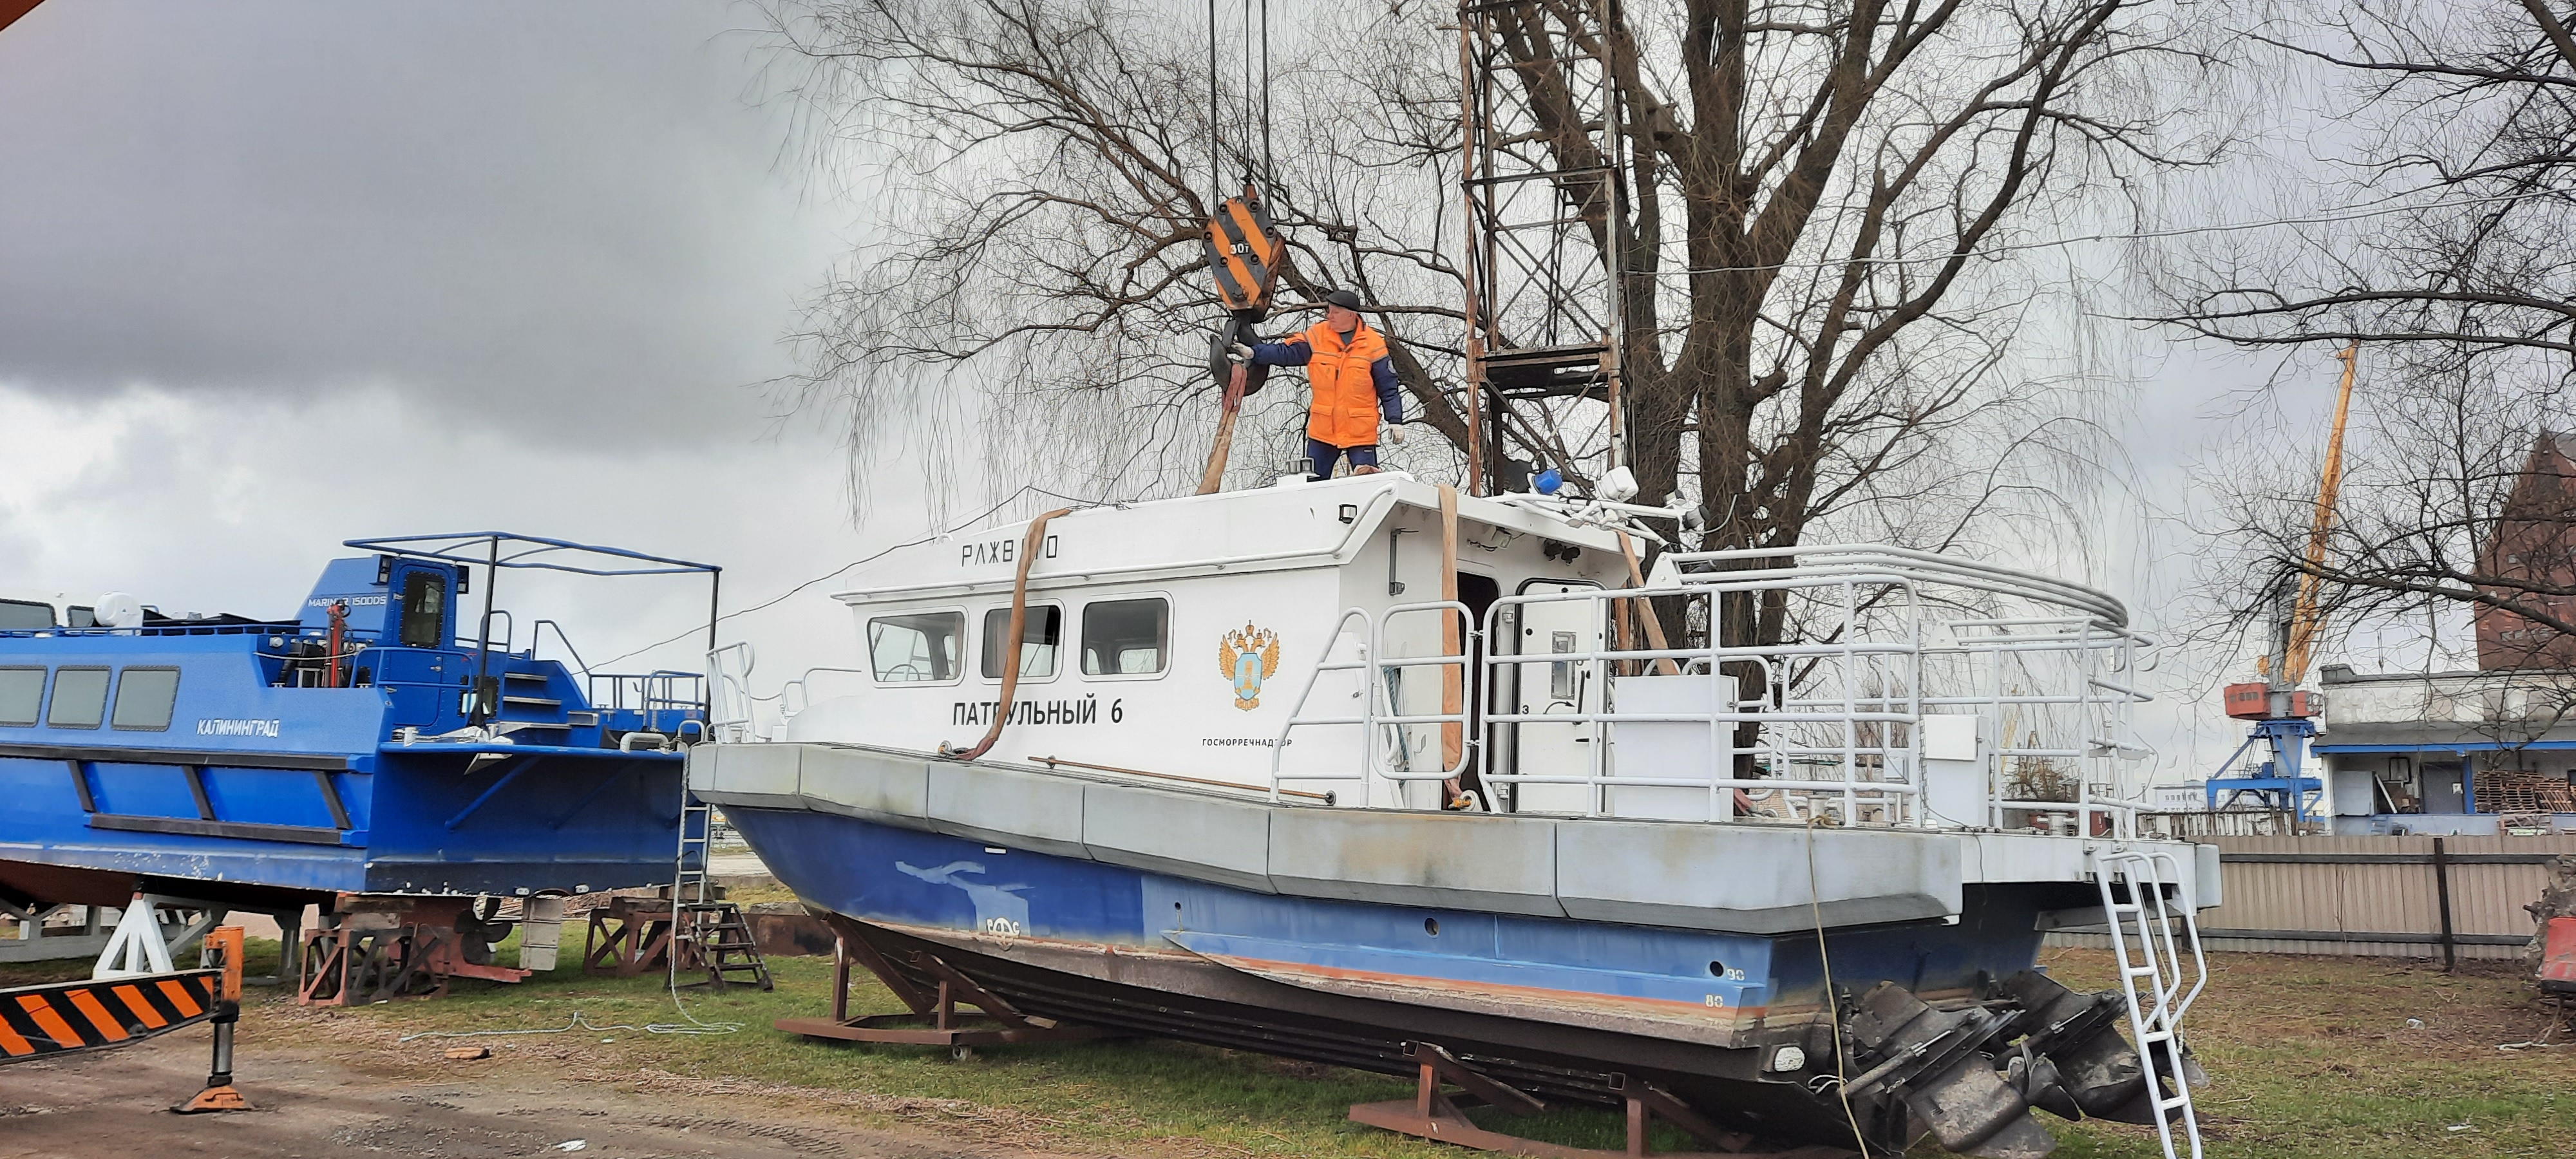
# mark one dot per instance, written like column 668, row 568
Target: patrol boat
column 385, row 753
column 1373, row 773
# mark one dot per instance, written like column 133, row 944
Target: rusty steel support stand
column 996, row 1020
column 840, row 979
column 219, row 1094
column 1435, row 1114
column 914, row 998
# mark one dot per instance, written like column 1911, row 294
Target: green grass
column 1099, row 1096
column 2311, row 1058
column 2314, row 1057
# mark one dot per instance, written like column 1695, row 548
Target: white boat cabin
column 1176, row 637
column 1377, row 641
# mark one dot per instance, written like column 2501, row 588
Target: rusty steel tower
column 1543, row 178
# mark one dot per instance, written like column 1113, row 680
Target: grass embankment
column 2311, row 1058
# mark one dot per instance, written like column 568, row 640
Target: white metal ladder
column 2142, row 938
column 689, row 886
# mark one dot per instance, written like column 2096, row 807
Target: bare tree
column 1044, row 170
column 1829, row 309
column 2458, row 503
column 2445, row 226
column 2441, row 243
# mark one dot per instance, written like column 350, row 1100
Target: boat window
column 19, row 615
column 144, row 698
column 22, row 691
column 80, row 698
column 906, row 649
column 1039, row 635
column 81, row 617
column 424, row 609
column 1125, row 637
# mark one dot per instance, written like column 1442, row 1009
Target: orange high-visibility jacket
column 1351, row 379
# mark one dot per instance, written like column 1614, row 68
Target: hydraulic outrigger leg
column 219, row 1094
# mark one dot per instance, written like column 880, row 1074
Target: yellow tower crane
column 2306, row 617
column 2282, row 712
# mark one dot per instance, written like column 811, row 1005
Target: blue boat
column 386, row 738
column 1443, row 806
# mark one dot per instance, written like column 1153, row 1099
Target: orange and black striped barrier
column 60, row 1017
column 36, row 1021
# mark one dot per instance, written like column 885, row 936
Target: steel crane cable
column 1269, row 169
column 1216, row 175
column 1257, row 106
column 1247, row 66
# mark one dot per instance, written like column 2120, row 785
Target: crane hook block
column 1245, row 254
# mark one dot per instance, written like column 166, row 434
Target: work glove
column 1395, row 435
column 1238, row 353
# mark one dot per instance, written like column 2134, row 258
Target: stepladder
column 2155, row 941
column 714, row 937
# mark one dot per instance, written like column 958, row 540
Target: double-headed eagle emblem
column 1247, row 657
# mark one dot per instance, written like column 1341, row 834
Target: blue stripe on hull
column 881, row 873
column 565, row 821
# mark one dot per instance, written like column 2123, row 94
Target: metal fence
column 2438, row 897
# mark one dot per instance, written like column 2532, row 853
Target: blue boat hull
column 419, row 821
column 379, row 741
column 1558, row 1005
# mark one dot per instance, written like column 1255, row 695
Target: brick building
column 2535, row 539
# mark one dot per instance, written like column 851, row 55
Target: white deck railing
column 1888, row 644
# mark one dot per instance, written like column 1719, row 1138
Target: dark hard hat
column 1343, row 298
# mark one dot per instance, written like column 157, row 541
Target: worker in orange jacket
column 1353, row 382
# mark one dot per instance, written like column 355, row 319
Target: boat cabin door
column 1561, row 687
column 420, row 602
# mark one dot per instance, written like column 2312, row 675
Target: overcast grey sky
column 279, row 274
column 276, row 274
column 559, row 215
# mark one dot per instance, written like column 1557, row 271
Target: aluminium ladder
column 2142, row 939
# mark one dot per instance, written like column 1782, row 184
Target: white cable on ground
column 677, row 1002
column 695, row 1026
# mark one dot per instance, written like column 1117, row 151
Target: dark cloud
column 559, row 219
column 273, row 275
